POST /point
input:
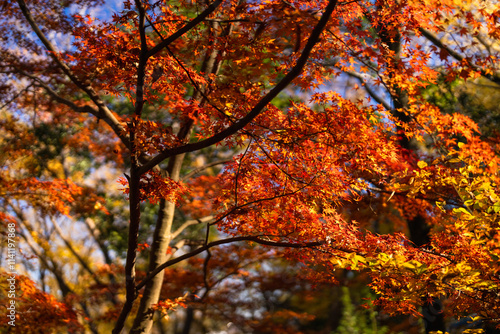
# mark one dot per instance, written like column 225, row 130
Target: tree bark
column 161, row 240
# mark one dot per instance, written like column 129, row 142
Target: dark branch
column 222, row 242
column 166, row 42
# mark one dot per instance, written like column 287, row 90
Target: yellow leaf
column 422, row 164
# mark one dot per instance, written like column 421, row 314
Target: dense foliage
column 233, row 158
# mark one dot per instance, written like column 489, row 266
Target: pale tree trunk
column 161, row 241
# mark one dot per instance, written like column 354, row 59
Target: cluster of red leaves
column 165, row 306
column 199, row 199
column 37, row 309
column 154, row 187
column 153, row 137
column 304, row 164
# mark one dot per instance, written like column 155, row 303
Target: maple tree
column 188, row 101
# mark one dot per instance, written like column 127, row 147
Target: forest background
column 250, row 166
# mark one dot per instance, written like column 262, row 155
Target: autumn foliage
column 172, row 157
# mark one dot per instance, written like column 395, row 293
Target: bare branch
column 16, row 96
column 51, row 265
column 190, row 222
column 197, row 251
column 99, row 113
column 75, row 253
column 202, row 168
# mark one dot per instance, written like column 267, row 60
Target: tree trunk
column 188, row 321
column 161, row 241
column 417, row 226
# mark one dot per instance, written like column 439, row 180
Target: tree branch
column 72, row 249
column 52, row 266
column 99, row 113
column 190, row 222
column 143, row 59
column 202, row 168
column 134, row 182
column 16, row 96
column 222, row 242
column 369, row 90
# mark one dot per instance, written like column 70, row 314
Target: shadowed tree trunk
column 417, row 226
